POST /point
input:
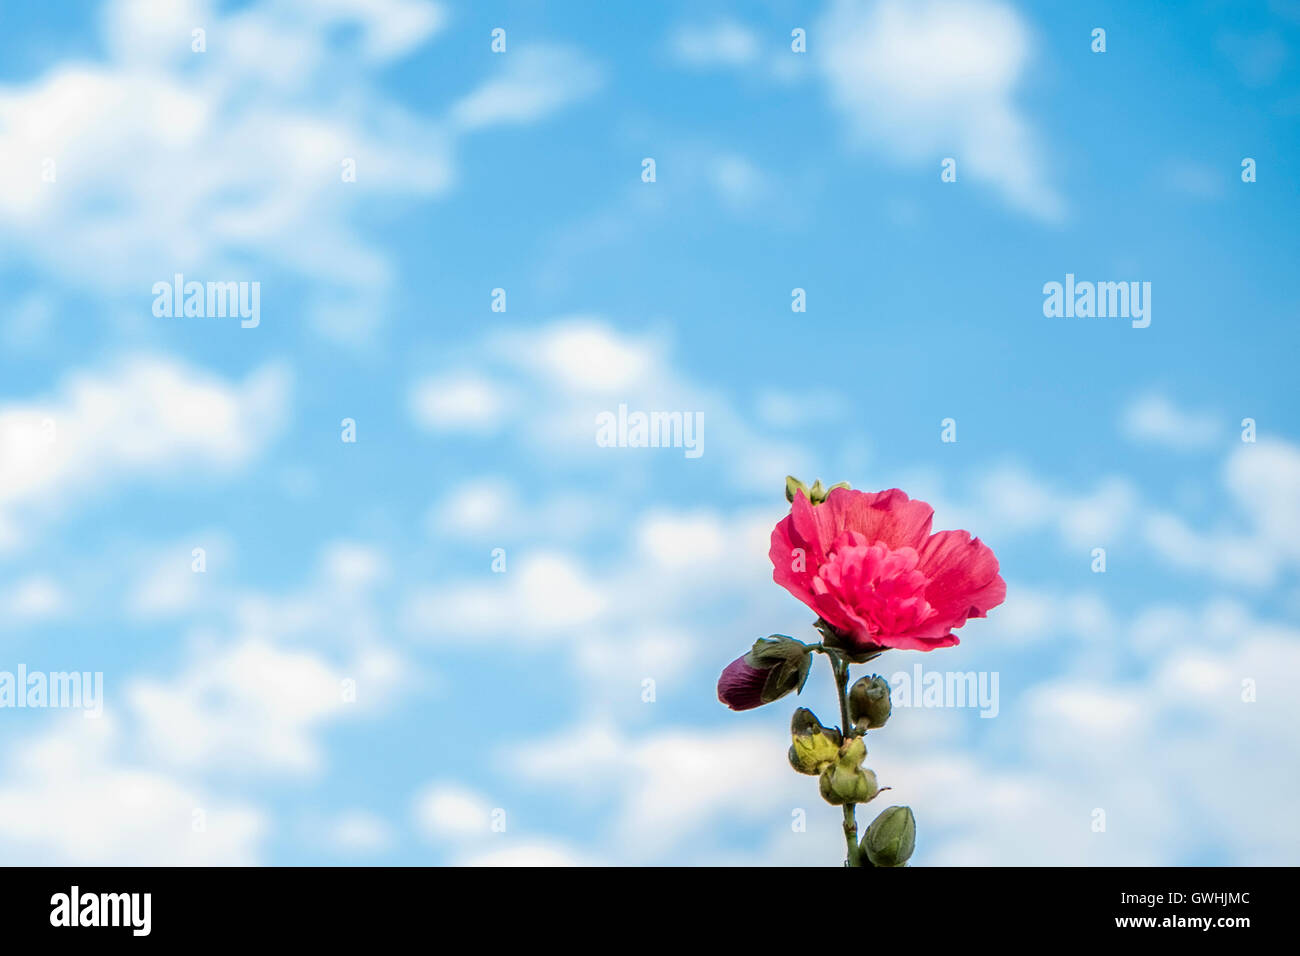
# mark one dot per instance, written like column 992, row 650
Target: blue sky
column 127, row 157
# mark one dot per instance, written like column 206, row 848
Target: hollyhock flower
column 869, row 566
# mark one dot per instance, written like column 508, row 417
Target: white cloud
column 673, row 784
column 580, row 367
column 36, row 597
column 358, row 831
column 352, row 568
column 128, row 790
column 1254, row 539
column 543, row 596
column 474, row 508
column 236, row 155
column 928, row 79
column 720, row 43
column 460, row 402
column 448, row 811
column 681, row 540
column 584, row 354
column 215, row 175
column 168, row 588
column 70, row 797
column 738, row 181
column 1264, row 479
column 1229, row 556
column 1037, row 615
column 1182, row 749
column 1009, row 499
column 532, row 852
column 615, row 668
column 490, row 508
column 390, row 28
column 167, row 585
column 533, row 83
column 1154, row 418
column 249, row 707
column 146, row 416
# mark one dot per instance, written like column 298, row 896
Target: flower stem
column 841, row 668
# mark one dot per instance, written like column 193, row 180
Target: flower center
column 878, row 585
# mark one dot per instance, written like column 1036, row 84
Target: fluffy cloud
column 531, row 852
column 448, row 811
column 1164, row 755
column 670, row 786
column 459, row 402
column 1154, row 418
column 35, row 597
column 143, row 417
column 532, row 84
column 357, row 831
column 937, row 78
column 584, row 354
column 576, row 368
column 230, row 162
column 1008, row 499
column 251, row 706
column 542, row 596
column 1254, row 539
column 721, row 43
column 72, row 796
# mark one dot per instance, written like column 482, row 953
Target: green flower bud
column 840, row 785
column 890, row 839
column 789, row 660
column 853, row 751
column 815, row 747
column 846, row 780
column 815, row 495
column 869, row 703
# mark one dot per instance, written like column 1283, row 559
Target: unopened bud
column 890, row 839
column 774, row 667
column 815, row 495
column 869, row 703
column 846, row 780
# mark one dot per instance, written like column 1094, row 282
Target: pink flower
column 869, row 566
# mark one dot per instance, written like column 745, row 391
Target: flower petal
column 964, row 579
column 885, row 516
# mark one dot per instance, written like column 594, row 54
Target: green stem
column 841, row 669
